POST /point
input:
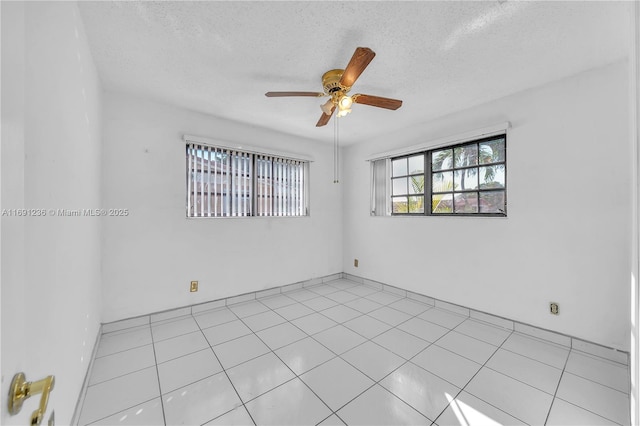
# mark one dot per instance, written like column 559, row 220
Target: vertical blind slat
column 287, row 204
column 240, row 192
column 208, row 182
column 292, row 188
column 263, row 186
column 258, row 178
column 270, row 187
column 227, row 183
column 274, row 184
column 295, row 189
column 245, row 186
column 265, row 181
column 280, row 188
column 215, row 182
column 304, row 187
column 297, row 213
column 285, row 188
column 250, row 186
column 201, row 180
column 189, row 181
column 236, row 183
column 247, row 190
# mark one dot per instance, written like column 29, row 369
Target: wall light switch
column 554, row 308
column 194, row 286
column 355, row 262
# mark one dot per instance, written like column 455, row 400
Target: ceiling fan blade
column 324, row 119
column 359, row 61
column 281, row 94
column 377, row 101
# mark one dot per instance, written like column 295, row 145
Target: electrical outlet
column 355, row 262
column 194, row 286
column 554, row 308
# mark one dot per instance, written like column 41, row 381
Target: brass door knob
column 20, row 390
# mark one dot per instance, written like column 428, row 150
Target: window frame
column 428, row 178
column 408, row 176
column 254, row 156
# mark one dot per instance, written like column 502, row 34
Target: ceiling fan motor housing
column 331, row 82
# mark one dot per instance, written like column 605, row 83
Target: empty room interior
column 319, row 213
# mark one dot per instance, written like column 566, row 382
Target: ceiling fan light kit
column 337, row 84
column 327, row 107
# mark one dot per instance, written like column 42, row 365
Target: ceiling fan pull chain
column 335, row 150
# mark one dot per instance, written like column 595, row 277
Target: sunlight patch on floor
column 467, row 415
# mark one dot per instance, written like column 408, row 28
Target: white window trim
column 484, row 132
column 245, row 148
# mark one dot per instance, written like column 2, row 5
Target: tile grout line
column 410, row 361
column 556, row 368
column 290, row 321
column 384, row 288
column 131, row 406
column 518, row 380
column 361, row 314
column 336, row 355
column 485, row 365
column 598, row 383
column 500, row 347
column 335, row 412
column 569, row 402
column 533, row 359
column 566, row 361
column 343, row 323
column 248, row 327
column 463, row 388
column 589, row 411
column 296, row 376
column 224, row 370
column 77, row 412
column 120, row 411
column 405, row 361
column 155, row 358
column 124, row 350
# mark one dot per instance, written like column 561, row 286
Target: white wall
column 51, row 117
column 634, row 120
column 567, row 235
column 150, row 257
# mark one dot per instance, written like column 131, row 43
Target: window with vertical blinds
column 223, row 182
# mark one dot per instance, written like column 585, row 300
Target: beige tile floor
column 344, row 353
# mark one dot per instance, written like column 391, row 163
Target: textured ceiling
column 438, row 57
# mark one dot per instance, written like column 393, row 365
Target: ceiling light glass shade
column 343, row 112
column 345, row 102
column 327, row 106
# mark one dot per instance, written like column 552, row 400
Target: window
column 463, row 179
column 223, row 182
column 469, row 178
column 407, row 184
